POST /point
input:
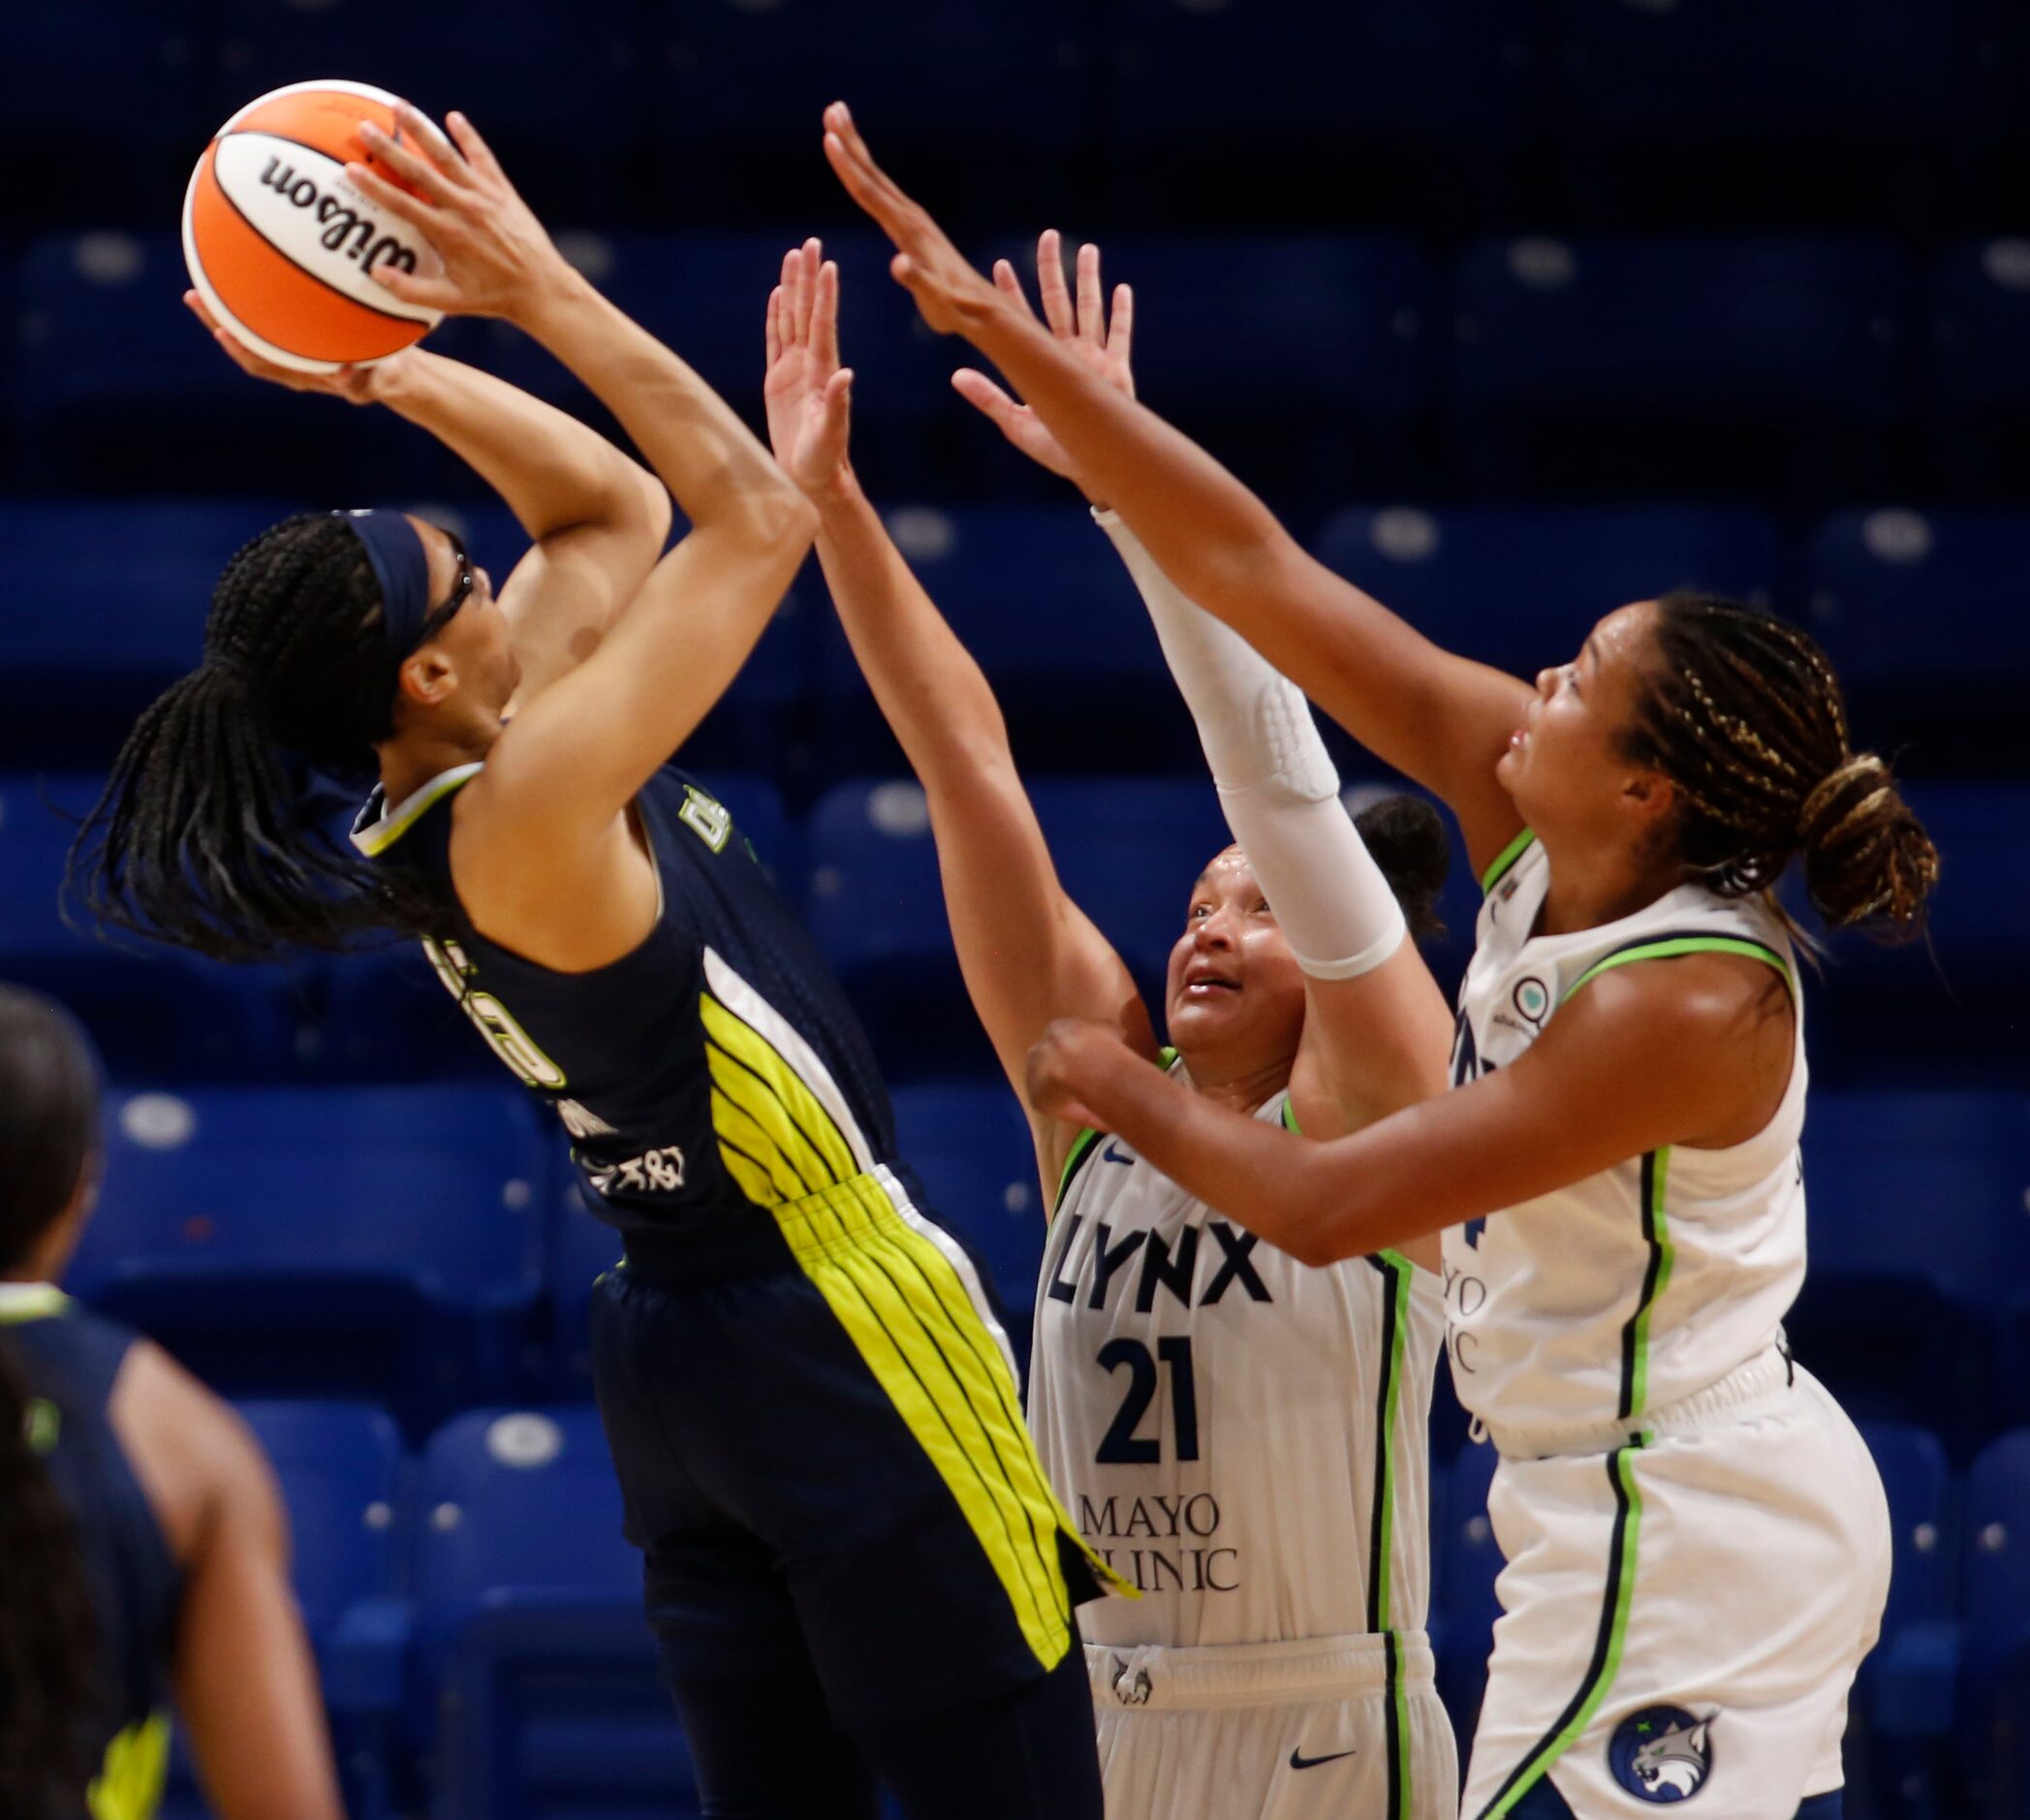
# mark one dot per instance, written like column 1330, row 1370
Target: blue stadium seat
column 1040, row 598
column 1520, row 586
column 1919, row 611
column 877, row 909
column 1977, row 374
column 1399, row 109
column 151, row 1011
column 1954, row 1002
column 120, row 387
column 367, row 1242
column 1606, row 365
column 972, row 1150
column 1906, row 1694
column 385, row 1014
column 530, row 1624
column 1918, row 1228
column 1305, row 361
column 111, row 601
column 1465, row 1561
column 1995, row 1720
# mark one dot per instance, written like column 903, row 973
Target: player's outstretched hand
column 355, row 385
column 947, row 291
column 807, row 393
column 1081, row 323
column 497, row 258
column 1072, row 1059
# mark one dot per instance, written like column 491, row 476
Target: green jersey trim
column 30, row 1301
column 1672, row 947
column 1506, row 858
column 1609, row 1642
column 1082, row 1143
column 1656, row 1279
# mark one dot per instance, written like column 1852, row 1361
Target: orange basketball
column 280, row 245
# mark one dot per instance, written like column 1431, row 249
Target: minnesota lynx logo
column 1662, row 1754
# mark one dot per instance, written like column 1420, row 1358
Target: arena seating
column 1512, row 312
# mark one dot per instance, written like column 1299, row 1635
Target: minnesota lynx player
column 1697, row 1541
column 1241, row 1438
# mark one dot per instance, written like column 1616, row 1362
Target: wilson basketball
column 282, row 249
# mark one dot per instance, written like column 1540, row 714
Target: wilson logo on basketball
column 342, row 222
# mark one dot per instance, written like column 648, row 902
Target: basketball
column 282, row 249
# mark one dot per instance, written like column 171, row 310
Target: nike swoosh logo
column 1107, row 1156
column 1298, row 1761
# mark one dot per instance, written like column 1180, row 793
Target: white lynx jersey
column 1243, row 1437
column 1648, row 1282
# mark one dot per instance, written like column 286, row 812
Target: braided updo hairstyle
column 199, row 839
column 1745, row 716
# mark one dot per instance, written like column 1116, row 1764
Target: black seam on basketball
column 412, row 322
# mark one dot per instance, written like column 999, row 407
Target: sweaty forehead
column 1623, row 637
column 1228, row 870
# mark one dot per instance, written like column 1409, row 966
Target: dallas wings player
column 811, row 1408
column 1697, row 1541
column 1241, row 1435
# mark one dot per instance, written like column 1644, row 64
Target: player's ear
column 427, row 677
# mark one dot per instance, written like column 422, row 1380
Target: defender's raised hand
column 497, row 258
column 1082, row 325
column 807, row 394
column 947, row 291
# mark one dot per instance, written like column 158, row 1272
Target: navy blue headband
column 402, row 568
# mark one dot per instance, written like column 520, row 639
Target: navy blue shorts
column 822, row 1453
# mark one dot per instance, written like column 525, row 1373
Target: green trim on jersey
column 1504, row 860
column 1612, row 1636
column 1396, row 1272
column 1082, row 1143
column 1672, row 947
column 1663, row 1256
column 30, row 1301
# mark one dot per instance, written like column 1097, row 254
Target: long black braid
column 199, row 839
column 1744, row 715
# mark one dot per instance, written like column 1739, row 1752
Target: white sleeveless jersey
column 1243, row 1437
column 1647, row 1283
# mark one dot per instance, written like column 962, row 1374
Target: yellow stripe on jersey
column 129, row 1787
column 752, row 1157
column 908, row 1314
column 744, row 1091
column 803, row 1117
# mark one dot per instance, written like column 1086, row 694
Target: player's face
column 1232, row 979
column 476, row 636
column 1564, row 765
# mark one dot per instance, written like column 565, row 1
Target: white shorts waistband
column 1157, row 1676
column 1764, row 1379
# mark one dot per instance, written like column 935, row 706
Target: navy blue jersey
column 69, row 1361
column 715, row 1068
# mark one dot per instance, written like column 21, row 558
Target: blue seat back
column 1520, row 587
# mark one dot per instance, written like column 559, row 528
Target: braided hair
column 1745, row 716
column 200, row 840
column 49, row 1671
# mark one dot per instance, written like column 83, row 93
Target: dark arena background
column 1514, row 309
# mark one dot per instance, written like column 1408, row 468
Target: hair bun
column 1867, row 858
column 1406, row 835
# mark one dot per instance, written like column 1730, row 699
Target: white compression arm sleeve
column 1276, row 782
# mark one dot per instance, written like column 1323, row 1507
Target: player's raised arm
column 1028, row 953
column 596, row 519
column 575, row 758
column 1438, row 717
